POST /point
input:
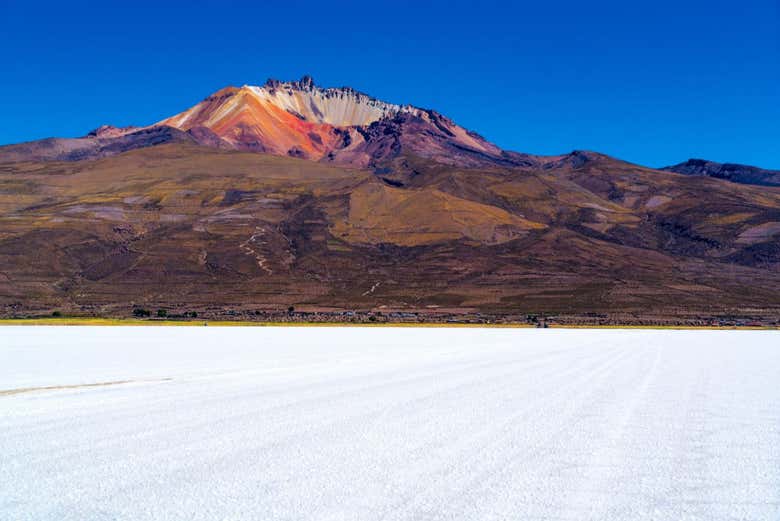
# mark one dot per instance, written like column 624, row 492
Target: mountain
column 729, row 171
column 297, row 119
column 339, row 125
column 328, row 200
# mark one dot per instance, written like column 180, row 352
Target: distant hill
column 735, row 173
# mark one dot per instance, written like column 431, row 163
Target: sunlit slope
column 382, row 214
column 187, row 226
column 204, row 188
column 246, row 120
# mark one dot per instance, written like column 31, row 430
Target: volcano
column 296, row 119
column 263, row 199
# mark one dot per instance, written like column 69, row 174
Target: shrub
column 161, row 313
column 141, row 312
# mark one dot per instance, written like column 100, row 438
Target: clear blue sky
column 654, row 82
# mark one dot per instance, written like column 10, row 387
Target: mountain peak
column 334, row 124
column 306, row 83
column 287, row 118
column 339, row 107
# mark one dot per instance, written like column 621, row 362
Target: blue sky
column 651, row 82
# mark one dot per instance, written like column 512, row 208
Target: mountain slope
column 259, row 198
column 103, row 142
column 729, row 171
column 187, row 227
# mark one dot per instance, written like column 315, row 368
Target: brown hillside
column 187, row 227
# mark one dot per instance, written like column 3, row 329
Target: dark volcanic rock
column 206, row 137
column 430, row 135
column 735, row 173
column 574, row 159
column 93, row 146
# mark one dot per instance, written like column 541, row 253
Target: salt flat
column 392, row 424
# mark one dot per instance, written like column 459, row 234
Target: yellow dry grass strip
column 95, row 321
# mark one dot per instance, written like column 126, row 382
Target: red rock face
column 247, row 122
column 336, row 125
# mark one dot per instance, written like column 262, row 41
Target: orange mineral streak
column 246, row 121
